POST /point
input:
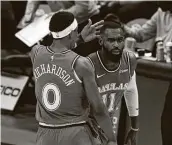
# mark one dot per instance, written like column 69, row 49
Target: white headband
column 66, row 31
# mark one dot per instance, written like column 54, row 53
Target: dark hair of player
column 60, row 21
column 111, row 21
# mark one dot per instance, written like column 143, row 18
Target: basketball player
column 114, row 69
column 64, row 84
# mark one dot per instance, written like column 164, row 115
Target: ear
column 100, row 41
column 70, row 35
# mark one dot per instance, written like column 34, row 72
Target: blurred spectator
column 18, row 9
column 130, row 10
column 82, row 10
column 10, row 44
column 126, row 10
column 160, row 25
column 8, row 25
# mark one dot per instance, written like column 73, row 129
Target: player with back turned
column 65, row 86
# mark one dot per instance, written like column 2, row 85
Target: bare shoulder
column 83, row 66
column 34, row 51
column 36, row 48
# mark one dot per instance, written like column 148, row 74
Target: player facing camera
column 112, row 38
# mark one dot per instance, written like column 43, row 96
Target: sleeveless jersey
column 112, row 84
column 59, row 93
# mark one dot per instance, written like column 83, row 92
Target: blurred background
column 154, row 69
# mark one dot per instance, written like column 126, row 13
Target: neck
column 109, row 64
column 60, row 45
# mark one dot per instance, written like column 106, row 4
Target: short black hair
column 60, row 20
column 111, row 21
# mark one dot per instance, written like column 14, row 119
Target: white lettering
column 48, row 69
column 43, row 69
column 61, row 73
column 54, row 69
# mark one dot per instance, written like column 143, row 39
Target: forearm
column 106, row 125
column 135, row 33
column 146, row 31
column 134, row 122
column 31, row 7
column 79, row 40
column 132, row 98
column 86, row 72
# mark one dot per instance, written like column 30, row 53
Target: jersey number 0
column 50, row 87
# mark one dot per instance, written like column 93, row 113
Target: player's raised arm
column 90, row 32
column 85, row 71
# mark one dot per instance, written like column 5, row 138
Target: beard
column 111, row 56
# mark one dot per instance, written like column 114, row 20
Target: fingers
column 89, row 27
column 98, row 27
column 95, row 26
column 127, row 140
column 89, row 23
column 98, row 23
column 134, row 142
column 130, row 141
column 98, row 36
column 97, row 32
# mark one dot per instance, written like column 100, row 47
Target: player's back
column 59, row 93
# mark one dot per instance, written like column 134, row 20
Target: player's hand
column 25, row 21
column 91, row 32
column 131, row 138
column 112, row 143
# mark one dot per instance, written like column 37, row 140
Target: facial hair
column 113, row 57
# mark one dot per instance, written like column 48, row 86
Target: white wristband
column 135, row 129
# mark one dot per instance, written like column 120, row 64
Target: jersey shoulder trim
column 75, row 74
column 34, row 52
column 109, row 71
column 91, row 61
column 63, row 52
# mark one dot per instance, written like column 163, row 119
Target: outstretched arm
column 146, row 31
column 85, row 71
column 90, row 32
